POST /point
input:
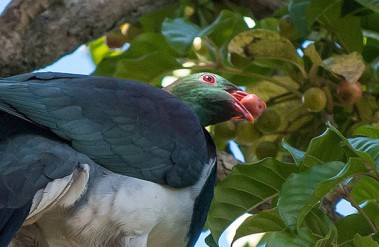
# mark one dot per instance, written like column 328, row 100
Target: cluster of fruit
column 315, row 98
column 260, row 140
column 247, row 134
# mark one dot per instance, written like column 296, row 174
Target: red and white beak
column 250, row 106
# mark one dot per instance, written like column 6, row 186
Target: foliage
column 299, row 193
column 329, row 49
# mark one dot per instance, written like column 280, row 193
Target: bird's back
column 139, row 130
column 96, row 133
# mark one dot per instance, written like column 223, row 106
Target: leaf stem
column 216, row 52
column 373, row 176
column 362, row 212
column 282, row 100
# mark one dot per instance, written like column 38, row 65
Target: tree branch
column 363, row 213
column 225, row 163
column 34, row 34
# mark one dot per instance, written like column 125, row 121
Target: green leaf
column 318, row 230
column 347, row 29
column 311, row 52
column 149, row 68
column 144, row 44
column 324, row 11
column 297, row 10
column 266, row 89
column 353, row 167
column 371, row 208
column 350, row 225
column 180, row 34
column 360, row 241
column 244, row 189
column 99, row 50
column 268, row 23
column 107, row 66
column 367, row 130
column 370, row 51
column 365, row 111
column 350, row 66
column 366, row 148
column 147, row 43
column 324, row 148
column 266, row 221
column 371, row 4
column 296, row 154
column 226, row 26
column 369, row 22
column 299, row 188
column 366, row 189
column 353, row 151
column 263, row 43
column 322, row 226
column 152, row 21
column 210, row 241
column 303, row 238
column 349, row 33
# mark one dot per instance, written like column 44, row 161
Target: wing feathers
column 48, row 197
column 64, row 192
column 127, row 127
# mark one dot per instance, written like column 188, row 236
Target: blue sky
column 80, row 62
column 3, row 4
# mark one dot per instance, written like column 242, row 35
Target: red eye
column 209, row 78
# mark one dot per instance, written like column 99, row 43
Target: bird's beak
column 248, row 105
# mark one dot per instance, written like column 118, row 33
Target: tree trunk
column 35, row 33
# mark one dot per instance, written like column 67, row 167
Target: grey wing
column 128, row 127
column 36, row 173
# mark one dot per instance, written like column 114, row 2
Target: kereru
column 96, row 161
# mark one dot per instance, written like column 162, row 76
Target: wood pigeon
column 97, row 161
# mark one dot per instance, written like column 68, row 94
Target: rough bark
column 225, row 163
column 33, row 34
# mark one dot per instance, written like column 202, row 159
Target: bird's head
column 215, row 99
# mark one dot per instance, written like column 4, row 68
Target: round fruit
column 266, row 149
column 314, row 99
column 225, row 130
column 115, row 39
column 349, row 92
column 254, row 105
column 269, row 121
column 246, row 133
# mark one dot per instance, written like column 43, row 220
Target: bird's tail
column 11, row 220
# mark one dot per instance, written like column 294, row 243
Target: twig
column 345, row 193
column 281, row 98
column 363, row 213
